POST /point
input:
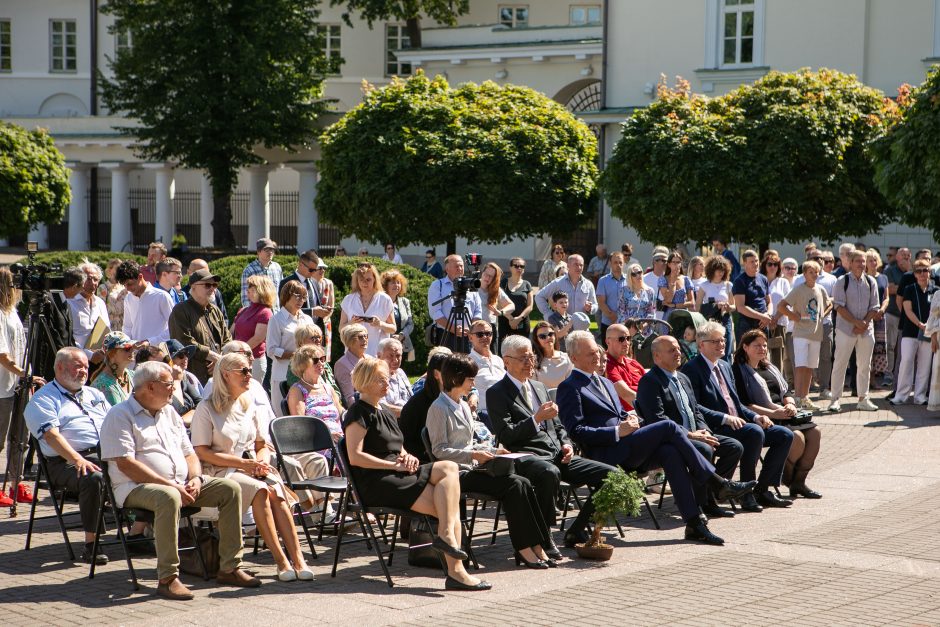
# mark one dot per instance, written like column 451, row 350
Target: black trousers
column 527, row 528
column 89, row 488
column 545, row 476
column 725, row 458
column 458, row 344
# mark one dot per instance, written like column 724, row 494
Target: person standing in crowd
column 340, row 252
column 932, row 330
column 675, row 289
column 609, row 288
column 598, row 265
column 657, row 272
column 580, row 291
column 364, row 252
column 169, row 277
column 264, row 264
column 112, row 293
column 308, row 263
column 368, row 305
column 219, row 300
column 697, row 272
column 391, row 255
column 552, row 366
column 751, row 297
column 879, row 358
column 788, row 268
column 431, row 265
column 827, row 281
column 720, row 246
column 715, row 300
column 494, row 303
column 147, row 309
column 87, row 308
column 328, row 301
column 626, row 249
column 12, row 353
column 156, row 253
column 845, row 250
column 807, row 305
column 779, row 287
column 280, row 343
column 251, row 322
column 622, row 370
column 439, row 308
column 522, row 295
column 855, row 298
column 355, row 338
column 637, row 299
column 552, row 265
column 395, row 285
column 113, row 376
column 916, row 354
column 199, row 322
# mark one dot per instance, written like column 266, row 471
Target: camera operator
column 454, row 338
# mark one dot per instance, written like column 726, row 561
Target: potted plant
column 620, row 492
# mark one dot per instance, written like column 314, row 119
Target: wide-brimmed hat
column 175, row 347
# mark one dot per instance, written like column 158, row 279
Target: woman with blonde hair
column 355, row 338
column 637, row 300
column 395, row 285
column 12, row 352
column 312, row 335
column 279, row 341
column 494, row 302
column 251, row 323
column 697, row 272
column 879, row 356
column 368, row 305
column 226, row 426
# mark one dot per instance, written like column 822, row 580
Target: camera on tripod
column 35, row 277
column 470, row 280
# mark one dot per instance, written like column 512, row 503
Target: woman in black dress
column 521, row 294
column 762, row 387
column 386, row 474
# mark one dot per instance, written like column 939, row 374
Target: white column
column 259, row 210
column 78, row 207
column 120, row 205
column 166, row 187
column 308, row 221
column 206, row 213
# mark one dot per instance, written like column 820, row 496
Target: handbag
column 207, row 543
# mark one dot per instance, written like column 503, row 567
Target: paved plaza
column 868, row 553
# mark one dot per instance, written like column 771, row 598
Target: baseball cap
column 203, row 275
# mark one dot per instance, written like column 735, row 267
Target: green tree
column 907, row 158
column 410, row 11
column 785, row 159
column 34, row 182
column 211, row 81
column 419, row 162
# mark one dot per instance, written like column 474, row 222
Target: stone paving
column 868, row 553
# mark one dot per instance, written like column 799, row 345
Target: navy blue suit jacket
column 655, row 400
column 708, row 395
column 590, row 417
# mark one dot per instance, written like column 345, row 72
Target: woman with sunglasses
column 279, row 341
column 520, row 292
column 637, row 300
column 226, row 426
column 368, row 305
column 553, row 265
column 494, row 302
column 675, row 289
column 311, row 335
column 552, row 366
column 113, row 376
column 696, row 273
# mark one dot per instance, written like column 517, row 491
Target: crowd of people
column 175, row 398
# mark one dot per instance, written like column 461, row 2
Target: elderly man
column 580, row 291
column 609, row 287
column 156, row 252
column 201, row 264
column 65, row 416
column 399, row 387
column 169, row 276
column 855, row 298
column 714, row 388
column 307, row 264
column 664, row 393
column 526, row 421
column 87, row 308
column 264, row 264
column 598, row 265
column 453, row 336
column 153, row 466
column 199, row 322
column 845, row 252
column 606, row 433
column 147, row 309
column 490, row 367
column 624, row 372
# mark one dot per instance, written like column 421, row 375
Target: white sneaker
column 835, row 407
column 894, row 400
column 825, row 395
column 810, row 405
column 866, row 405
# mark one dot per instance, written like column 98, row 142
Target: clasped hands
column 736, row 423
column 628, row 425
column 405, row 462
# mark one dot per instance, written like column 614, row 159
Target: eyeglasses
column 209, row 286
column 319, row 360
column 636, row 273
column 243, row 371
column 269, row 249
column 545, row 336
column 482, row 334
column 519, row 266
column 166, row 384
column 718, row 341
column 314, row 340
column 789, row 268
column 298, row 296
column 526, row 357
column 621, row 339
column 921, row 270
column 362, row 337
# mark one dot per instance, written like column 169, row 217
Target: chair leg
column 32, row 512
column 303, row 524
column 391, row 553
column 378, row 550
column 564, row 510
column 662, row 494
column 649, row 510
column 499, row 507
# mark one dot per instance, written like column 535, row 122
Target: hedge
column 69, row 258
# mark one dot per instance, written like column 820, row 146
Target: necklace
column 312, row 386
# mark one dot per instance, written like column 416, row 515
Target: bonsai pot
column 600, row 552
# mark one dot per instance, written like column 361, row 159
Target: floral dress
column 636, row 304
column 113, row 296
column 318, row 403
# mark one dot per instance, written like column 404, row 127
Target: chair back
column 293, row 435
column 284, row 389
column 426, row 440
column 343, row 456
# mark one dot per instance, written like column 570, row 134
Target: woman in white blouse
column 552, row 366
column 369, row 306
column 280, row 343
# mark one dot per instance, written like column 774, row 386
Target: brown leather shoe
column 174, row 590
column 239, row 578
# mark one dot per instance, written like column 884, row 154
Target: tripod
column 457, row 320
column 39, row 336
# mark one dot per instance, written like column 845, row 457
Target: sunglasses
column 545, row 336
column 636, row 273
column 621, row 339
column 209, row 286
column 519, row 266
column 789, row 267
column 243, row 371
column 319, row 360
column 922, row 271
column 773, row 263
column 482, row 334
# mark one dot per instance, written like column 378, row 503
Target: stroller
column 647, row 330
column 680, row 320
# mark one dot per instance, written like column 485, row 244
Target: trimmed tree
column 34, row 182
column 419, row 162
column 409, row 11
column 785, row 159
column 907, row 158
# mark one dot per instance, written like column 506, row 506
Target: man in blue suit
column 594, row 418
column 713, row 385
column 666, row 394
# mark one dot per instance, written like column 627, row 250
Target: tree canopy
column 907, row 158
column 420, row 162
column 34, row 182
column 785, row 159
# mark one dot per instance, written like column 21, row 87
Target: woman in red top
column 251, row 322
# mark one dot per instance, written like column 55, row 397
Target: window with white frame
column 513, row 15
column 6, row 46
column 331, row 39
column 123, row 41
column 584, row 14
column 63, row 46
column 396, row 38
column 737, row 32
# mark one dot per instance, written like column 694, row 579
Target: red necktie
column 732, row 410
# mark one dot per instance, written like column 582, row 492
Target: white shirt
column 380, row 307
column 395, row 259
column 280, row 339
column 490, row 370
column 84, row 316
column 13, row 345
column 146, row 318
column 651, row 281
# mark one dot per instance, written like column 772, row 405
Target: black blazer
column 514, row 424
column 655, row 400
column 707, row 394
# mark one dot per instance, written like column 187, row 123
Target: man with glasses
column 169, row 276
column 657, row 272
column 87, row 308
column 490, row 368
column 609, row 287
column 199, row 322
column 431, row 265
column 147, row 309
column 308, row 274
column 580, row 291
column 624, row 372
column 264, row 264
column 202, row 264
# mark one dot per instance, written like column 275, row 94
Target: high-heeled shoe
column 536, row 565
column 439, row 544
column 552, row 563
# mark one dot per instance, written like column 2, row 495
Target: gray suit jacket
column 451, row 434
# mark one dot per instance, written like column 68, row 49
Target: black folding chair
column 295, row 435
column 58, row 495
column 355, row 505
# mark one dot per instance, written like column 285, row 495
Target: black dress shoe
column 805, row 492
column 439, row 544
column 551, row 550
column 734, row 489
column 100, row 559
column 769, row 499
column 452, row 584
column 749, row 504
column 536, row 565
column 698, row 531
column 713, row 511
column 576, row 537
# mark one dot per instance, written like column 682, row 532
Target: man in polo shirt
column 154, row 467
column 608, row 294
column 65, row 416
column 147, row 309
column 266, row 249
column 580, row 291
column 453, row 338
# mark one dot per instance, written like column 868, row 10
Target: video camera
column 35, row 277
column 470, row 280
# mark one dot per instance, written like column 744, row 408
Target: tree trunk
column 596, row 536
column 452, row 246
column 222, row 221
column 413, row 27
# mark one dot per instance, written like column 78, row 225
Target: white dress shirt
column 146, row 318
column 84, row 317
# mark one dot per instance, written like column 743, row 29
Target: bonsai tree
column 620, row 492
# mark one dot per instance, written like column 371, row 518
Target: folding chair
column 354, row 504
column 295, row 435
column 58, row 496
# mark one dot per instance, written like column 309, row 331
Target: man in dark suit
column 606, row 433
column 666, row 394
column 307, row 263
column 714, row 388
column 526, row 420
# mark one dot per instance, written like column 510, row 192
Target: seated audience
column 113, row 376
column 622, row 370
column 355, row 338
column 490, row 367
column 414, row 415
column 179, row 356
column 312, row 395
column 551, row 366
column 399, row 387
column 185, row 396
column 312, row 335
